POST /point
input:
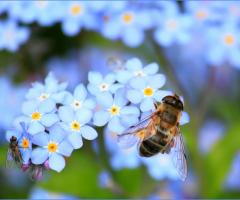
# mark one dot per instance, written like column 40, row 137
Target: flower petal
column 120, row 98
column 134, row 96
column 185, row 118
column 138, row 83
column 105, row 99
column 76, row 140
column 66, row 113
column 39, row 156
column 26, row 154
column 49, row 119
column 11, row 133
column 133, row 64
column 130, row 110
column 65, row 148
column 40, row 139
column 35, row 127
column 80, row 92
column 157, row 81
column 151, row 69
column 88, row 133
column 56, row 162
column 110, row 78
column 29, row 107
column 83, row 115
column 47, row 106
column 147, row 104
column 95, row 78
column 159, row 94
column 89, row 103
column 56, row 133
column 115, row 125
column 100, row 118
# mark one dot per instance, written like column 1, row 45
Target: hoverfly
column 160, row 133
column 15, row 158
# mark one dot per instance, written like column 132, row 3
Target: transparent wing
column 178, row 156
column 10, row 161
column 134, row 134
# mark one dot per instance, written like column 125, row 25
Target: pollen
column 229, row 39
column 76, row 104
column 75, row 126
column 148, row 91
column 52, row 147
column 104, row 87
column 201, row 14
column 76, row 10
column 36, row 116
column 25, row 143
column 114, row 110
column 127, row 17
column 43, row 96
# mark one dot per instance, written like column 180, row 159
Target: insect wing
column 134, row 134
column 178, row 156
column 11, row 162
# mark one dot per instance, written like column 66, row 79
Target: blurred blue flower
column 50, row 90
column 115, row 112
column 105, row 179
column 174, row 28
column 75, row 16
column 134, row 68
column 53, row 146
column 12, row 35
column 24, row 141
column 227, row 48
column 99, row 84
column 233, row 181
column 39, row 115
column 120, row 158
column 72, row 63
column 10, row 105
column 75, row 123
column 160, row 167
column 209, row 134
column 128, row 25
column 38, row 193
column 145, row 90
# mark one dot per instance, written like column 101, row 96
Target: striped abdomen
column 154, row 145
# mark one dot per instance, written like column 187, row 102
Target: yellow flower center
column 25, row 143
column 52, row 147
column 229, row 39
column 104, row 87
column 76, row 104
column 75, row 126
column 76, row 9
column 148, row 91
column 36, row 116
column 43, row 96
column 171, row 24
column 201, row 14
column 127, row 17
column 114, row 110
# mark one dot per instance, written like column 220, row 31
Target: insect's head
column 13, row 139
column 174, row 101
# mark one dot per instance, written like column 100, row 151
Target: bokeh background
column 197, row 46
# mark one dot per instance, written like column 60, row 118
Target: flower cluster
column 126, row 20
column 129, row 21
column 54, row 121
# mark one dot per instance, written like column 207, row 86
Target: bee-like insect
column 160, row 133
column 14, row 155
